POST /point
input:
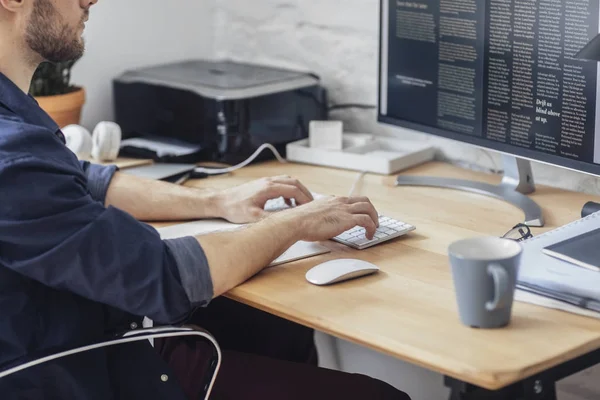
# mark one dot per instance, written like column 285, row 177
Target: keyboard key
column 361, row 242
column 388, row 229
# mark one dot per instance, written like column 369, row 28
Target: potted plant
column 51, row 87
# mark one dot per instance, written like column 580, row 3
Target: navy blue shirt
column 73, row 271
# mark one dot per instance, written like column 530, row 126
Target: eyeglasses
column 518, row 233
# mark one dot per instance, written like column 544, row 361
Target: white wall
column 340, row 43
column 127, row 34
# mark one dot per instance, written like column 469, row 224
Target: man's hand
column 245, row 203
column 328, row 217
column 237, row 255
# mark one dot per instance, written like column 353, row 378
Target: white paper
column 526, row 297
column 160, row 147
column 297, row 251
column 195, row 228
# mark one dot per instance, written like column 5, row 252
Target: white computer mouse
column 339, row 270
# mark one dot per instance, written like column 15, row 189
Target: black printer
column 226, row 108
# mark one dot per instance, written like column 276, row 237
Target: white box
column 362, row 152
column 326, row 135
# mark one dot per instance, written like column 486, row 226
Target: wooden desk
column 408, row 310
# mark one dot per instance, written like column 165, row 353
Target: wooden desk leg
column 539, row 387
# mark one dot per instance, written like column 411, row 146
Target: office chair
column 135, row 336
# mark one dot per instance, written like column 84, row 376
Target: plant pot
column 64, row 109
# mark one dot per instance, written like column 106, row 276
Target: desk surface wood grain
column 408, row 310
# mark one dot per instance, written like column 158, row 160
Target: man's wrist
column 207, row 203
column 215, row 203
column 290, row 223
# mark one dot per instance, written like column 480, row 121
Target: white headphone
column 102, row 145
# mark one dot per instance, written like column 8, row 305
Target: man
column 76, row 265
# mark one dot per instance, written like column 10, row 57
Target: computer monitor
column 501, row 75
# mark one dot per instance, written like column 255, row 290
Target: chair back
column 130, row 337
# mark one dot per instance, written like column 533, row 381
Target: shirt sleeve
column 53, row 231
column 98, row 179
column 192, row 265
column 191, row 261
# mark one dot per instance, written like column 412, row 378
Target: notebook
column 562, row 282
column 581, row 250
column 297, row 251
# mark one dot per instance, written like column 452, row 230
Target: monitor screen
column 494, row 73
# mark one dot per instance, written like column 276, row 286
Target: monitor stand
column 516, row 183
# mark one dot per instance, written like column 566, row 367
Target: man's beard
column 49, row 38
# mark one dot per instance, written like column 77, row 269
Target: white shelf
column 363, row 152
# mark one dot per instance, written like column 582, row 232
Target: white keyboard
column 389, row 228
column 279, row 203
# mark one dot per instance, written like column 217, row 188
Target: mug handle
column 500, row 277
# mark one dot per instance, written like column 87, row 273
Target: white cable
column 476, row 166
column 489, row 156
column 358, row 178
column 214, row 171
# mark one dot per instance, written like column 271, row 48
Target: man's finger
column 366, row 208
column 366, row 222
column 289, row 192
column 358, row 199
column 295, row 182
column 259, row 213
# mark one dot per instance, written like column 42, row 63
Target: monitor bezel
column 498, row 147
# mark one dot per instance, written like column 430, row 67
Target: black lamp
column 591, row 51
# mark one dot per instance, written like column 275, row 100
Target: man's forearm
column 152, row 200
column 235, row 256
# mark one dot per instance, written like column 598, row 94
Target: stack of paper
column 527, row 297
column 549, row 281
column 162, row 147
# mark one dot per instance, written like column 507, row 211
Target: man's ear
column 12, row 5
